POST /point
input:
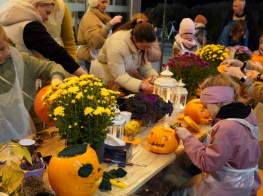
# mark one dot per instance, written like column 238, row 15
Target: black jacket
column 253, row 40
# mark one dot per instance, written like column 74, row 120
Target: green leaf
column 27, row 155
column 19, row 152
column 1, row 145
column 1, row 189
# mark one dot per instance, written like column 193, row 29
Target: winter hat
column 187, row 26
column 200, row 19
column 261, row 39
column 93, row 3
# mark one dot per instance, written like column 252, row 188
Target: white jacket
column 120, row 58
column 15, row 15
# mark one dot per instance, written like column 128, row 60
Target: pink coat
column 232, row 143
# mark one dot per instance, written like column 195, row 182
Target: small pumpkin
column 197, row 112
column 163, row 140
column 133, row 127
column 75, row 170
column 221, row 68
column 192, row 123
column 41, row 110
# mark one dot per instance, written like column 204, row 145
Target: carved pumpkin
column 75, row 170
column 42, row 111
column 192, row 123
column 197, row 112
column 221, row 68
column 163, row 140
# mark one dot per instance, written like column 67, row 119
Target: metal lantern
column 117, row 129
column 180, row 96
column 165, row 86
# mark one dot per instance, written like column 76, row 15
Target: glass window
column 121, row 2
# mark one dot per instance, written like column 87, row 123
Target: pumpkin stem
column 131, row 136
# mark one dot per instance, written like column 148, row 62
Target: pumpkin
column 257, row 58
column 75, row 170
column 163, row 140
column 197, row 112
column 221, row 68
column 133, row 127
column 192, row 123
column 42, row 111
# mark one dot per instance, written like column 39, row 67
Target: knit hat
column 261, row 39
column 187, row 26
column 200, row 19
column 93, row 3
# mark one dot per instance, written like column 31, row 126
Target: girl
column 235, row 33
column 18, row 74
column 229, row 162
column 122, row 54
column 185, row 41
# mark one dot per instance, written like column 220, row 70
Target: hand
column 183, row 133
column 234, row 72
column 147, row 86
column 56, row 79
column 116, row 20
column 233, row 63
column 252, row 74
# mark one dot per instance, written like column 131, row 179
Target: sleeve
column 97, row 35
column 212, row 157
column 117, row 69
column 147, row 71
column 67, row 34
column 39, row 69
column 37, row 38
column 154, row 53
column 224, row 37
column 177, row 50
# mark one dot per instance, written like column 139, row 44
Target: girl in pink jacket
column 229, row 161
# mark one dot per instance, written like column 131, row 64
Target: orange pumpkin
column 75, row 170
column 197, row 112
column 221, row 68
column 42, row 111
column 163, row 140
column 257, row 58
column 192, row 123
column 147, row 92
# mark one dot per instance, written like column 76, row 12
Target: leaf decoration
column 27, row 155
column 19, row 152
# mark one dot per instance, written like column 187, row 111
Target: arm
column 177, row 49
column 67, row 34
column 146, row 70
column 39, row 69
column 37, row 38
column 154, row 53
column 212, row 157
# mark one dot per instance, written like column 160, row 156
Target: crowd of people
column 37, row 42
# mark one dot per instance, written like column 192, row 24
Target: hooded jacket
column 253, row 43
column 24, row 25
column 120, row 58
column 179, row 48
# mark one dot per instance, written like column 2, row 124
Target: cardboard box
column 118, row 153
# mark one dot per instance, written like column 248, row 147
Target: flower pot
column 38, row 173
column 100, row 151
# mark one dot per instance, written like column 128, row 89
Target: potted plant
column 82, row 109
column 148, row 107
column 241, row 53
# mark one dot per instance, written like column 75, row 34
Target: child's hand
column 56, row 79
column 183, row 133
column 252, row 74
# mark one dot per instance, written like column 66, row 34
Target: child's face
column 187, row 36
column 3, row 51
column 261, row 46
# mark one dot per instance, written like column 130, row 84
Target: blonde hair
column 237, row 28
column 41, row 2
column 3, row 35
column 223, row 80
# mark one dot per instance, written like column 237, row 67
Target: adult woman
column 229, row 161
column 122, row 54
column 94, row 28
column 235, row 33
column 59, row 26
column 18, row 74
column 23, row 23
column 254, row 89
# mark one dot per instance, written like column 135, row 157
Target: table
column 137, row 175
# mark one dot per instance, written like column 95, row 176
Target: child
column 19, row 72
column 229, row 161
column 235, row 33
column 258, row 54
column 200, row 32
column 185, row 41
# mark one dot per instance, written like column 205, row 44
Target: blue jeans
column 87, row 65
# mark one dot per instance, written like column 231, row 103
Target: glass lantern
column 117, row 129
column 180, row 96
column 165, row 86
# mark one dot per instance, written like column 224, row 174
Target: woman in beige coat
column 122, row 54
column 94, row 28
column 252, row 81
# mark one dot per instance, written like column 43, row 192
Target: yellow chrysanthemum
column 75, row 124
column 83, row 83
column 55, row 84
column 90, row 84
column 64, row 92
column 79, row 95
column 84, row 76
column 59, row 111
column 98, row 111
column 107, row 111
column 90, row 76
column 88, row 110
column 73, row 101
column 43, row 97
column 90, row 97
column 53, row 97
column 62, row 86
column 70, row 126
column 73, row 89
column 55, row 119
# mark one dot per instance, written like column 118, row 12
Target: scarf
column 188, row 44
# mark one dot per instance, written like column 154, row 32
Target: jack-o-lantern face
column 75, row 175
column 163, row 140
column 197, row 112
